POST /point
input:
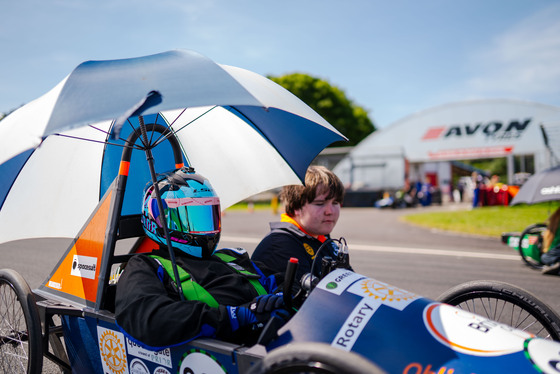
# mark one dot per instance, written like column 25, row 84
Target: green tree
column 331, row 103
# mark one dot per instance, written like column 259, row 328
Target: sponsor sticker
column 198, row 361
column 513, row 241
column 138, row 367
column 161, row 370
column 111, row 349
column 469, row 333
column 354, row 324
column 544, row 355
column 339, row 280
column 162, row 357
column 55, row 285
column 84, row 266
column 383, row 293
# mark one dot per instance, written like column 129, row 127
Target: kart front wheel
column 507, row 304
column 20, row 326
column 314, row 358
column 531, row 256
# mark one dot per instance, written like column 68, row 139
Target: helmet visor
column 198, row 215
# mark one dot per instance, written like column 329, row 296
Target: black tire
column 507, row 304
column 20, row 326
column 314, row 358
column 535, row 229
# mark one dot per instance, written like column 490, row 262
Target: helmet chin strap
column 150, row 159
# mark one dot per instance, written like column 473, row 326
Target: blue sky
column 393, row 58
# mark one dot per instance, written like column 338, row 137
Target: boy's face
column 319, row 216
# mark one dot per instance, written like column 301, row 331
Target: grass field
column 487, row 221
column 261, row 205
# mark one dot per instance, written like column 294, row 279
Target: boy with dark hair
column 311, row 213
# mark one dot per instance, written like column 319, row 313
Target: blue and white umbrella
column 242, row 131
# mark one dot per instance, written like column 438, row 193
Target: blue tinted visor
column 199, row 215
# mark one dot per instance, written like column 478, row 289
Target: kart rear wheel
column 536, row 229
column 20, row 326
column 507, row 304
column 314, row 358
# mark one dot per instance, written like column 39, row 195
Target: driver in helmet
column 225, row 294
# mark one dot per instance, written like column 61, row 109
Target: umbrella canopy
column 541, row 187
column 248, row 137
column 105, row 90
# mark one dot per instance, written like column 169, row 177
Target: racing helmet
column 192, row 212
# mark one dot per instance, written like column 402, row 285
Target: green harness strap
column 194, row 291
column 253, row 278
column 191, row 289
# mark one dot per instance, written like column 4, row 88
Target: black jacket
column 150, row 311
column 286, row 240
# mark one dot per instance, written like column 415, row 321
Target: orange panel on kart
column 78, row 273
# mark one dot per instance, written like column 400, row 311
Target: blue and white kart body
column 405, row 333
column 399, row 331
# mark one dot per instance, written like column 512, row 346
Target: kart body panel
column 405, row 333
column 529, row 244
column 399, row 331
column 97, row 346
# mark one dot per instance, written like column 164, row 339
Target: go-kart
column 528, row 243
column 345, row 322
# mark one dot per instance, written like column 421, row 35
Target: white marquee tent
column 427, row 142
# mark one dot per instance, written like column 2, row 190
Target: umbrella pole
column 150, row 159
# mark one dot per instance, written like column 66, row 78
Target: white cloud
column 522, row 61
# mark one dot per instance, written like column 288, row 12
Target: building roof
column 465, row 130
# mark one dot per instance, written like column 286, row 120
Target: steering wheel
column 306, row 284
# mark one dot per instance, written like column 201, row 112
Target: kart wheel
column 536, row 229
column 20, row 326
column 314, row 358
column 507, row 304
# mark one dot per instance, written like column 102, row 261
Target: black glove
column 267, row 303
column 257, row 312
